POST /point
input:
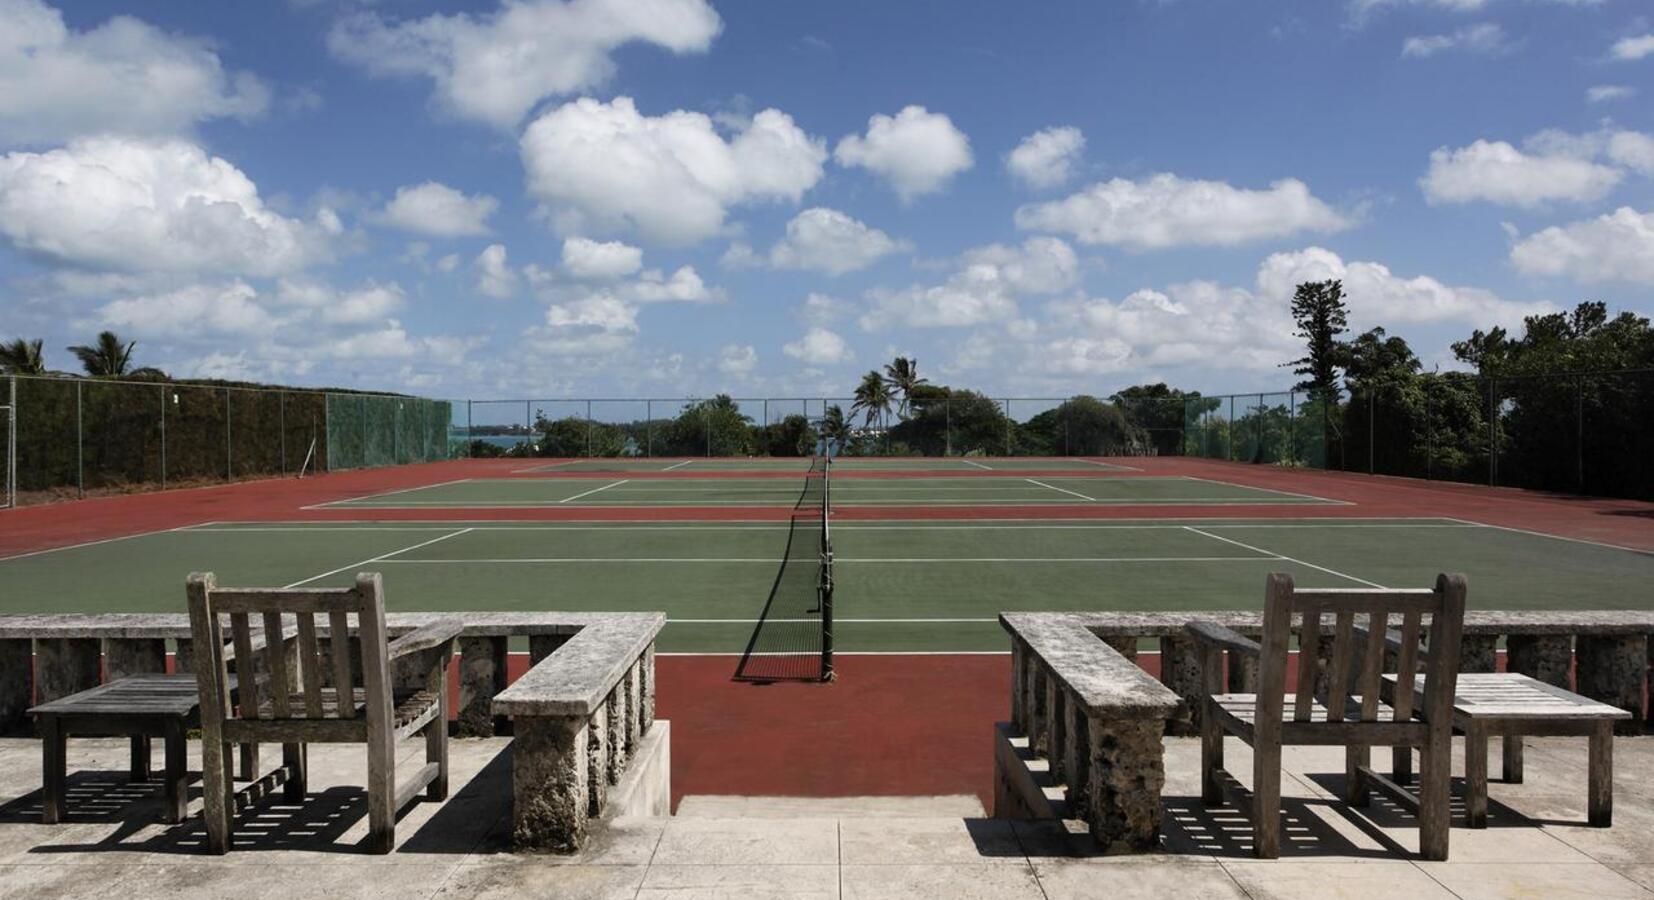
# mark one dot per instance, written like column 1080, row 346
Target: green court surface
column 843, row 464
column 900, row 586
column 484, row 493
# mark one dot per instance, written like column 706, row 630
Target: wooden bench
column 1512, row 706
column 140, row 706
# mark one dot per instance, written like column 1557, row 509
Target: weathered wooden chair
column 296, row 698
column 1348, row 711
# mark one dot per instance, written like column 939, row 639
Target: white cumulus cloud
column 1496, row 172
column 1608, row 93
column 592, row 260
column 1633, row 48
column 737, row 360
column 145, row 205
column 231, row 308
column 1047, row 158
column 1381, row 297
column 826, row 240
column 819, row 347
column 916, row 151
column 682, row 286
column 983, row 289
column 495, row 67
column 438, row 210
column 1618, row 246
column 495, row 277
column 672, row 177
column 1167, row 211
column 1486, row 38
column 122, row 76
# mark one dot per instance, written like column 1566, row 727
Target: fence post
column 281, row 426
column 1372, row 439
column 1007, row 428
column 1229, row 449
column 588, row 429
column 1492, row 431
column 648, row 428
column 80, row 448
column 1430, row 430
column 947, row 427
column 1292, row 424
column 165, row 391
column 1579, row 431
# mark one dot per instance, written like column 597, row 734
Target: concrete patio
column 114, row 845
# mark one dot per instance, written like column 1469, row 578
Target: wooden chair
column 1347, row 711
column 295, row 698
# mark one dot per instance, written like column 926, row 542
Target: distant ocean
column 506, row 441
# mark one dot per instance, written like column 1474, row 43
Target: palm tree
column 903, row 376
column 836, row 428
column 872, row 398
column 108, row 357
column 21, row 357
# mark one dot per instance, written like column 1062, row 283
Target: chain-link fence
column 68, row 437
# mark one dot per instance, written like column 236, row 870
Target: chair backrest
column 292, row 686
column 1356, row 662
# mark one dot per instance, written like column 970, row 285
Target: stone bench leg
column 65, row 666
column 1612, row 670
column 133, row 656
column 481, row 676
column 1127, row 772
column 550, row 791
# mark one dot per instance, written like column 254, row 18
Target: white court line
column 595, row 490
column 1114, row 466
column 783, row 504
column 837, row 559
column 734, row 655
column 678, row 465
column 1063, row 490
column 1267, row 490
column 974, row 463
column 386, row 557
column 672, row 621
column 377, row 495
column 544, row 467
column 1288, row 558
column 1554, row 537
column 111, row 540
column 782, row 526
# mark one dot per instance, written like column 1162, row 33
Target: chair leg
column 436, row 748
column 1266, row 802
column 1435, row 800
column 293, row 760
column 1211, row 760
column 381, row 795
column 216, row 801
column 1600, row 802
column 249, row 762
column 1356, row 790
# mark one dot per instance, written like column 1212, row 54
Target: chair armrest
column 426, row 637
column 1214, row 635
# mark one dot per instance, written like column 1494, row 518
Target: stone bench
column 585, row 741
column 1094, row 719
column 45, row 657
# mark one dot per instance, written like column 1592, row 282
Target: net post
column 80, row 444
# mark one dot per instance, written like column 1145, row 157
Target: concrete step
column 956, row 806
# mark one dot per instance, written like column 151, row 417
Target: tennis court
column 917, row 490
column 901, row 585
column 843, row 464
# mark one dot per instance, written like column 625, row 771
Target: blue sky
column 672, row 197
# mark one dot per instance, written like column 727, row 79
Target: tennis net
column 793, row 638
